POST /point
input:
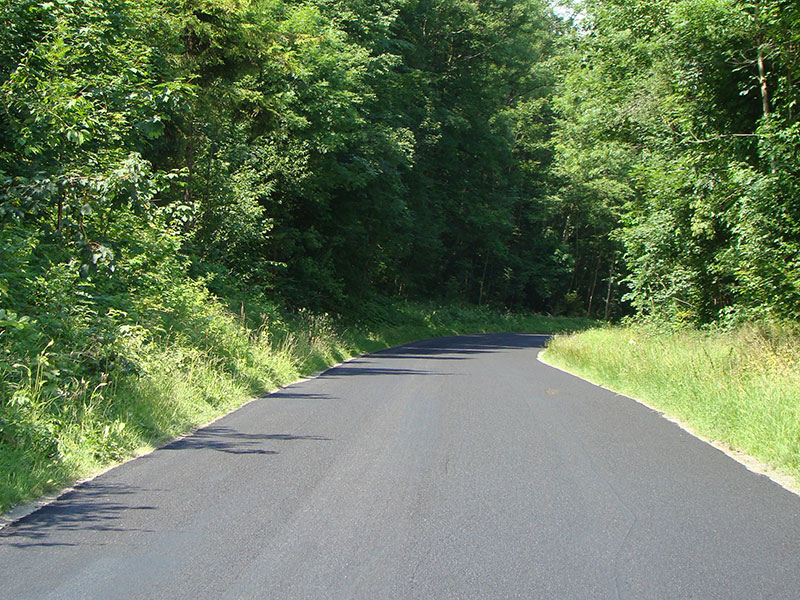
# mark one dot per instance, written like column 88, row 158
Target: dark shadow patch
column 289, row 394
column 89, row 507
column 465, row 346
column 357, row 370
column 231, row 441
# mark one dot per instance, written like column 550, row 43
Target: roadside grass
column 740, row 387
column 201, row 362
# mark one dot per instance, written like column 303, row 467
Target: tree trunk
column 763, row 84
column 483, row 279
column 608, row 292
column 591, row 291
column 762, row 80
column 60, row 217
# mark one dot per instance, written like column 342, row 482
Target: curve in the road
column 450, row 468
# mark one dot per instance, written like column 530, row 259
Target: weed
column 739, row 386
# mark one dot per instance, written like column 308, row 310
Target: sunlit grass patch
column 740, row 387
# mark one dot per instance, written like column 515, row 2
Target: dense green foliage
column 680, row 129
column 317, row 153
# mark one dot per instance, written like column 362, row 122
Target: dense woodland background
column 323, row 154
column 611, row 158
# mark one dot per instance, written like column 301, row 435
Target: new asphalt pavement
column 451, row 468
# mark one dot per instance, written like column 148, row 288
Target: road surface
column 451, row 468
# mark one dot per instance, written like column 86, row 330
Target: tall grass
column 740, row 387
column 197, row 364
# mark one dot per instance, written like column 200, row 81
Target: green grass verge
column 200, row 364
column 740, row 387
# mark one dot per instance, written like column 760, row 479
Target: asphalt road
column 451, row 468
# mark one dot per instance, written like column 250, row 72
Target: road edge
column 17, row 513
column 752, row 464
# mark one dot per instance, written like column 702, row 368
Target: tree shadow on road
column 355, row 368
column 98, row 506
column 91, row 506
column 463, row 347
column 232, row 441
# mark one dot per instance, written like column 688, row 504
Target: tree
column 687, row 124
